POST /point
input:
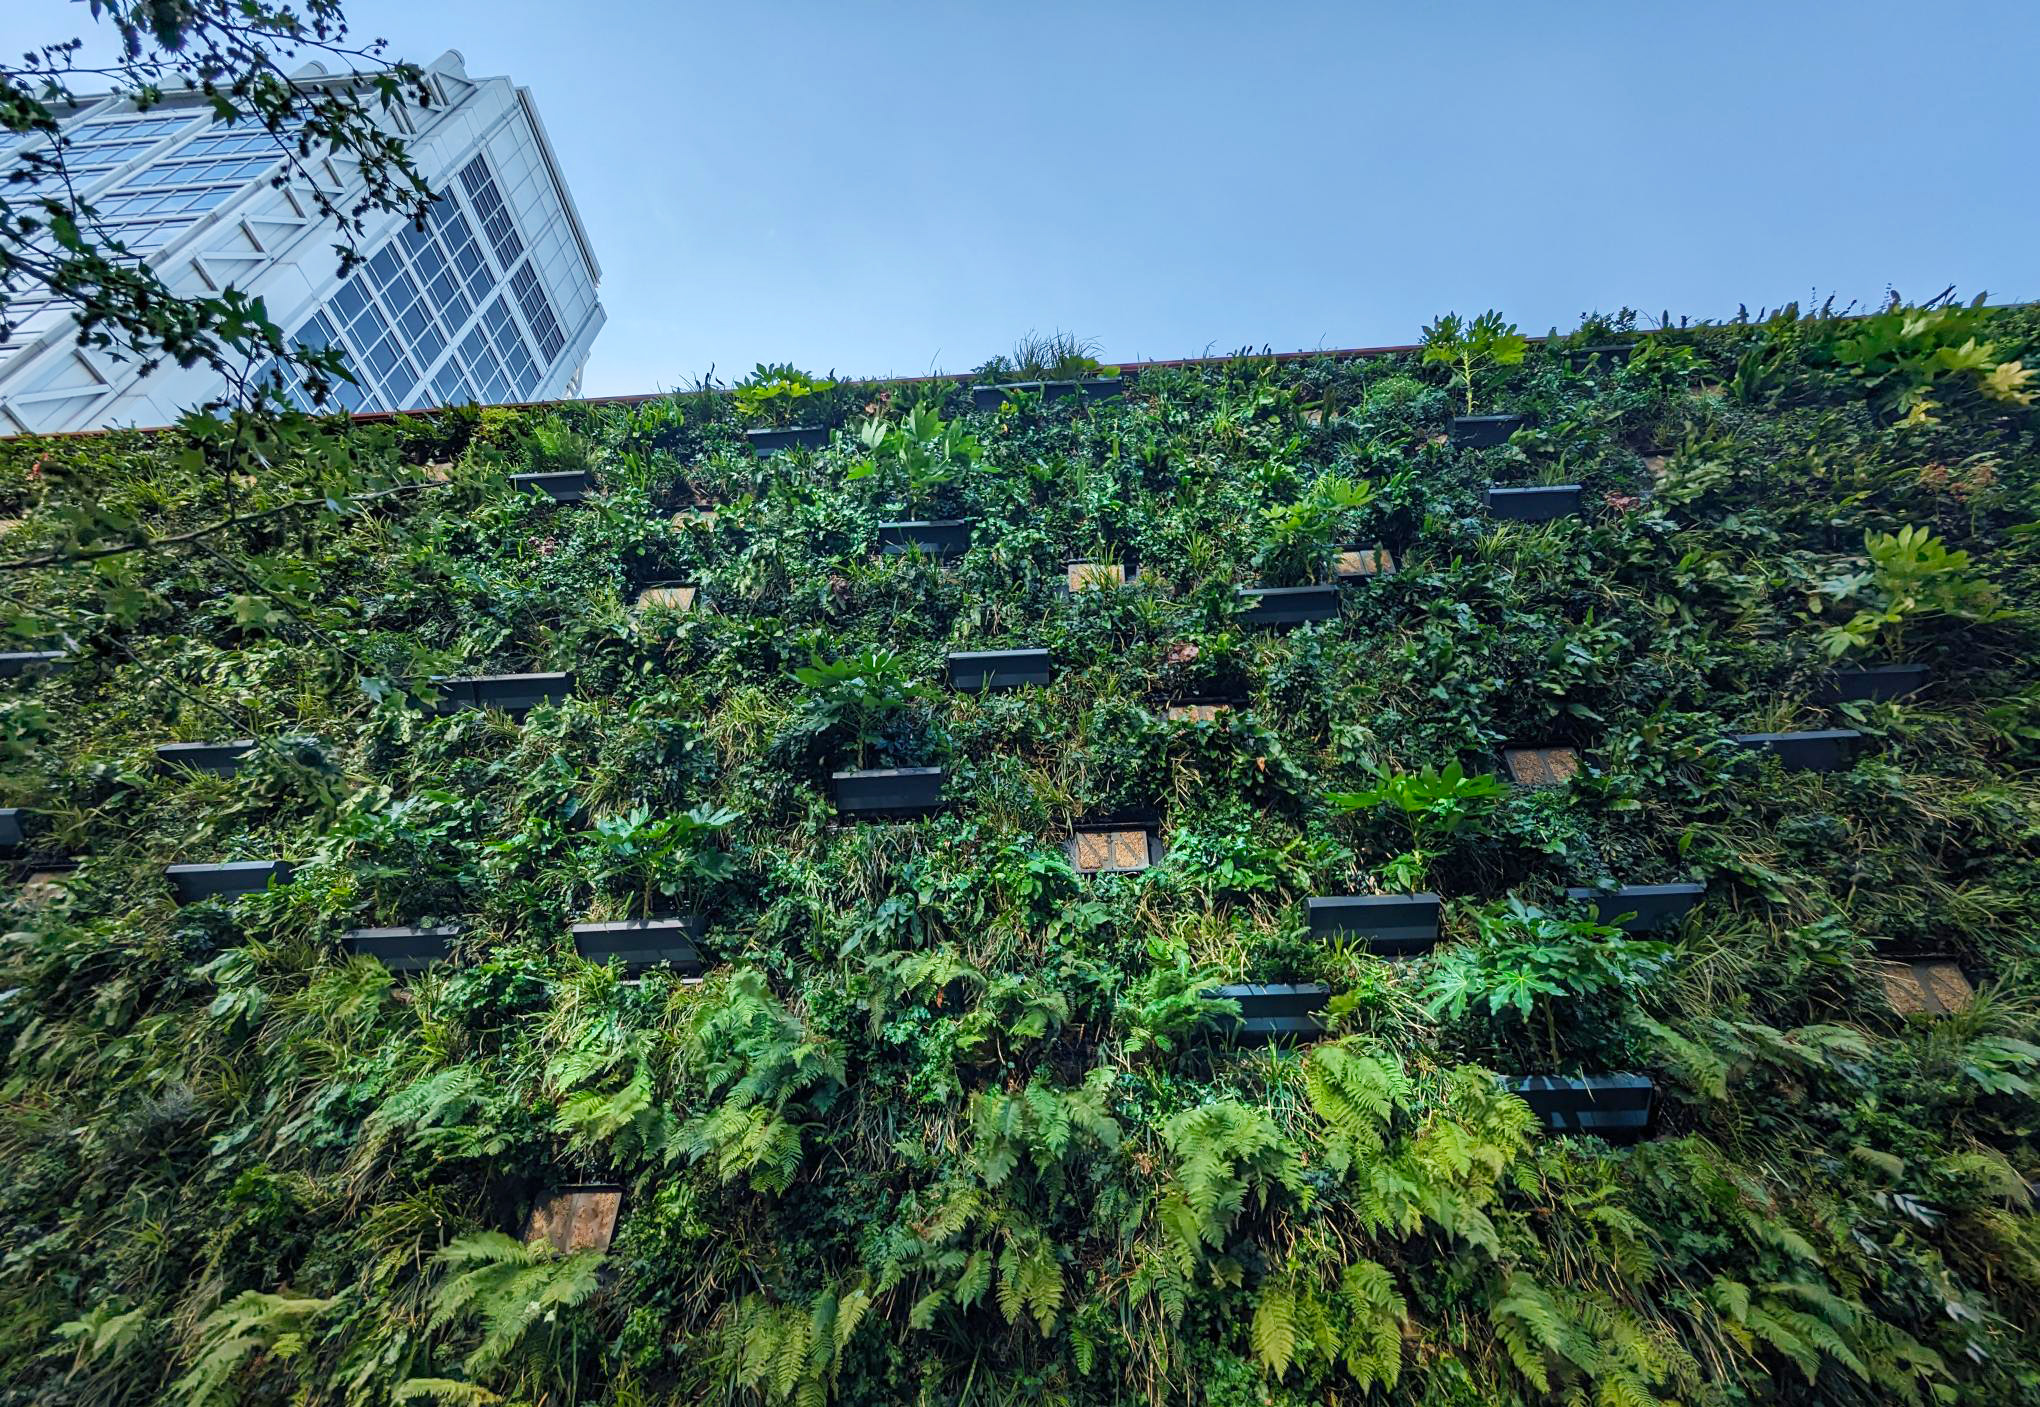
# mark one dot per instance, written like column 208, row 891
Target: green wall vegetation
column 945, row 1120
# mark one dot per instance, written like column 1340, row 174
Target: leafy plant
column 793, row 1352
column 1223, row 856
column 761, row 1063
column 512, row 1287
column 861, row 693
column 778, row 395
column 913, row 457
column 1470, row 348
column 677, row 856
column 1903, row 353
column 1052, row 356
column 1225, row 1153
column 952, row 1124
column 1527, row 962
column 1298, row 539
column 1436, row 805
column 1165, row 1009
column 557, row 447
column 249, row 1326
column 1912, row 577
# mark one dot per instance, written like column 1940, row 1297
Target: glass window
column 316, row 335
column 495, row 216
column 400, row 294
column 383, row 265
column 383, row 357
column 450, row 387
column 426, row 290
column 427, row 345
column 369, row 327
column 350, row 300
column 400, row 381
column 538, row 313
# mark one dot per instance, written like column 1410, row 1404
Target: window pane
column 348, row 301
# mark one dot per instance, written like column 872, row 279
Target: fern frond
column 1273, row 1330
column 975, row 1279
column 251, row 1323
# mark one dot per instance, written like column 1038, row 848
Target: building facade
column 496, row 300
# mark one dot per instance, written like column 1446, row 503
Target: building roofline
column 529, row 106
column 376, row 417
column 1135, row 368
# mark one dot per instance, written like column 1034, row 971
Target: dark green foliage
column 948, row 1122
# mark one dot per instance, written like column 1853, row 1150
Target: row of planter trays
column 512, row 693
column 641, row 944
column 1810, row 750
column 1266, row 605
column 1404, row 925
column 773, row 440
column 1607, row 1106
column 976, row 671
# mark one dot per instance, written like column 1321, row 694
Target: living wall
column 947, row 1121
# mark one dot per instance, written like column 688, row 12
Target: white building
column 494, row 302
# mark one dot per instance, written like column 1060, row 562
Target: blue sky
column 898, row 188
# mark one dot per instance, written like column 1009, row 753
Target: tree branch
column 58, row 559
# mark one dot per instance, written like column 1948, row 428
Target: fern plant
column 511, row 1287
column 1351, row 1317
column 790, row 1352
column 760, row 1061
column 1226, row 1153
column 250, row 1326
